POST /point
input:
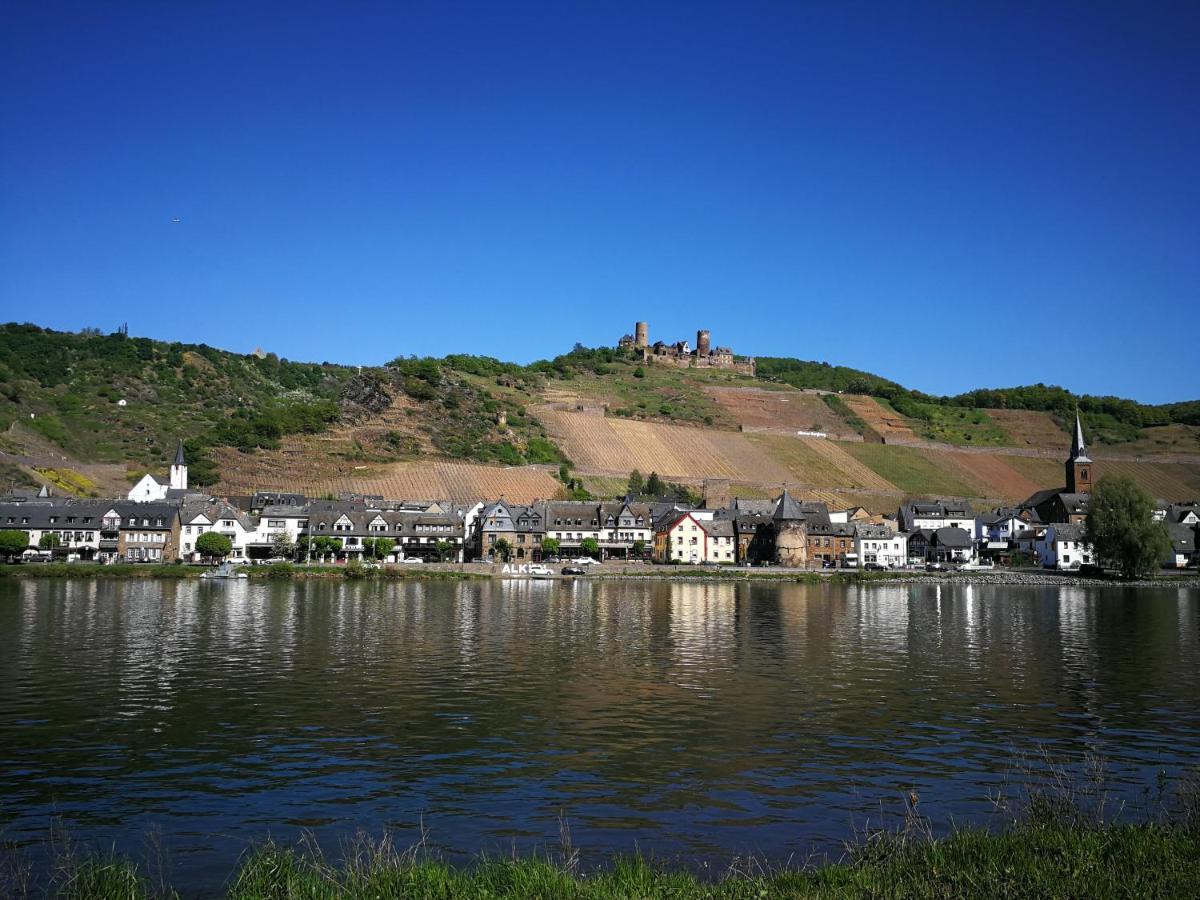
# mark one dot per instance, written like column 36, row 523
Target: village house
column 831, row 542
column 1183, row 545
column 1061, row 545
column 147, row 532
column 934, row 514
column 75, row 525
column 200, row 515
column 879, row 545
column 695, row 538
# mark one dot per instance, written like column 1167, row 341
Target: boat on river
column 224, row 570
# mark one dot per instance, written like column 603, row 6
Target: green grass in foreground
column 1025, row 861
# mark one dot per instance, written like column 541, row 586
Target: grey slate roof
column 953, row 537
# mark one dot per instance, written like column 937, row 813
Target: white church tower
column 179, row 471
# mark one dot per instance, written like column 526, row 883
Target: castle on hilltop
column 681, row 354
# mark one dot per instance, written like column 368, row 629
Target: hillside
column 467, row 426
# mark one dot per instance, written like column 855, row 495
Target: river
column 695, row 721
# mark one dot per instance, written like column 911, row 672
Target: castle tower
column 641, row 334
column 179, row 471
column 1079, row 466
column 702, row 342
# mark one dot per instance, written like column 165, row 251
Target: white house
column 936, row 514
column 691, row 537
column 1061, row 546
column 878, row 544
column 199, row 516
column 150, row 490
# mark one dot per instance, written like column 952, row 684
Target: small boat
column 224, row 570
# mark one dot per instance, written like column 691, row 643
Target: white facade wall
column 891, row 551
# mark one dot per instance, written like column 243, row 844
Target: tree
column 50, row 541
column 282, row 545
column 550, row 546
column 637, row 484
column 13, row 543
column 639, row 372
column 324, row 546
column 638, row 550
column 214, row 545
column 589, row 546
column 1120, row 526
column 444, row 549
column 503, row 549
column 655, row 486
column 378, row 548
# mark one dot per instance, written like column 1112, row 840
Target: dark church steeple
column 1079, row 466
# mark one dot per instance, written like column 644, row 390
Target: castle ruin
column 681, row 354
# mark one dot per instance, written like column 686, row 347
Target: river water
column 693, row 721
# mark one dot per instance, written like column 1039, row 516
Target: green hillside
column 118, row 399
column 112, row 398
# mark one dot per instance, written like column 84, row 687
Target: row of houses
column 162, row 522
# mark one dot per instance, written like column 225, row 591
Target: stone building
column 681, row 354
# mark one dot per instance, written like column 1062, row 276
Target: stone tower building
column 641, row 334
column 703, row 341
column 1079, row 466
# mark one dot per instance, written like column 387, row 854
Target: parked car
column 572, row 570
column 584, row 561
column 552, row 559
column 828, row 564
column 935, row 567
column 539, row 569
column 412, row 560
column 874, row 567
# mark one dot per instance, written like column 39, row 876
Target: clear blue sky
column 953, row 195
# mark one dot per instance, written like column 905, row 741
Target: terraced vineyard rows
column 999, row 478
column 1029, row 428
column 820, row 463
column 913, row 471
column 405, row 480
column 605, row 446
column 786, row 409
column 884, row 422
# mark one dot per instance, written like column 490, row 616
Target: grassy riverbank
column 1025, row 861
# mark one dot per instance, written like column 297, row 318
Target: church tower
column 1079, row 466
column 179, row 471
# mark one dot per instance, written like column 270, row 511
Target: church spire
column 179, row 455
column 1078, row 447
column 1079, row 466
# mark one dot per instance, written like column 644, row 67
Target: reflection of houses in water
column 883, row 617
column 703, row 620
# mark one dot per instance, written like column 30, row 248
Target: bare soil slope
column 789, row 410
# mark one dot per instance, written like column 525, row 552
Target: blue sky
column 951, row 195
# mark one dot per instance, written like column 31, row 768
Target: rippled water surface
column 694, row 721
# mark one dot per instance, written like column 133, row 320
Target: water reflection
column 695, row 719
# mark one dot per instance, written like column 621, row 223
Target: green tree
column 637, row 484
column 638, row 551
column 282, row 545
column 214, row 545
column 550, row 546
column 639, row 372
column 1120, row 526
column 589, row 546
column 378, row 548
column 324, row 546
column 655, row 486
column 444, row 549
column 13, row 543
column 50, row 541
column 503, row 549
